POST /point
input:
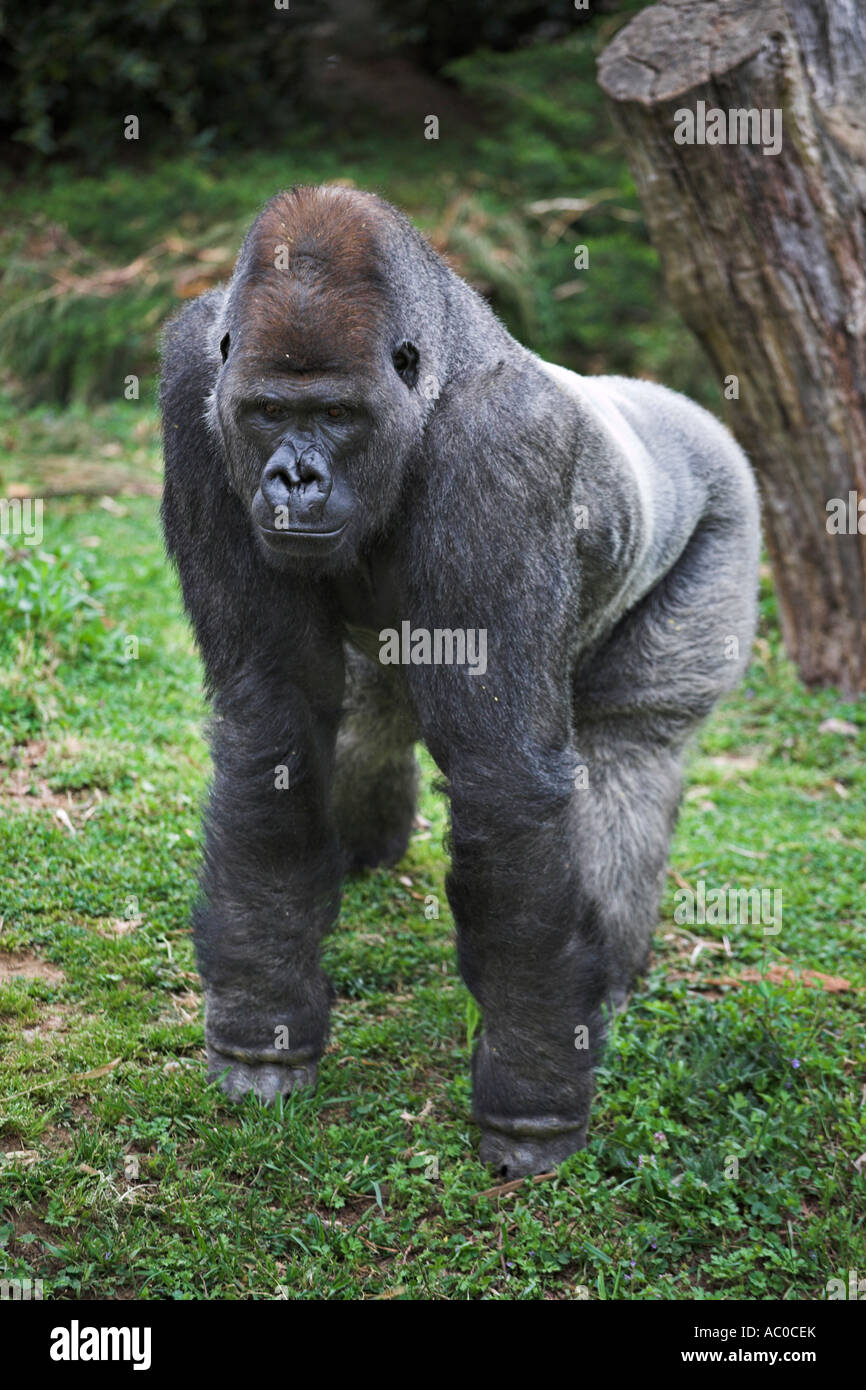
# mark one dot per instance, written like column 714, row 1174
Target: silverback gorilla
column 354, row 443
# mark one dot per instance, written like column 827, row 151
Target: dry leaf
column 119, row 926
column 734, row 762
column 97, row 1071
column 512, row 1186
column 113, row 508
column 838, row 726
column 422, row 1115
column 778, row 975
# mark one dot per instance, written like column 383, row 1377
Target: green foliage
column 70, row 74
column 54, row 600
column 225, row 72
column 548, row 136
column 80, row 345
column 433, row 33
column 94, row 265
column 212, row 73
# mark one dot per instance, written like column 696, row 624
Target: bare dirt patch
column 62, row 475
column 28, row 967
column 111, row 928
column 23, row 786
column 55, row 1021
column 38, row 1253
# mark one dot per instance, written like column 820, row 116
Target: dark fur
column 606, row 646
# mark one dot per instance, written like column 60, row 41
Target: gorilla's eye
column 275, row 409
column 337, row 412
column 405, row 359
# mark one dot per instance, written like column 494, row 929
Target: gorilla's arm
column 502, row 557
column 274, row 669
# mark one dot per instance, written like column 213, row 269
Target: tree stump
column 764, row 256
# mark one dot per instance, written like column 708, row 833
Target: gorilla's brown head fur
column 316, row 399
column 311, row 295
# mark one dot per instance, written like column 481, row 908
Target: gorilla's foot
column 618, row 997
column 521, row 1148
column 239, row 1076
column 381, row 853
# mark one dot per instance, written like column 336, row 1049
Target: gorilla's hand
column 265, row 1079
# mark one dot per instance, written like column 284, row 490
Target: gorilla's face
column 304, row 434
column 315, row 399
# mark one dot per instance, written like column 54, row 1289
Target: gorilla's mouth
column 302, row 540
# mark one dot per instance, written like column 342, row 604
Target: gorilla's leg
column 636, row 702
column 270, row 888
column 626, row 808
column 376, row 778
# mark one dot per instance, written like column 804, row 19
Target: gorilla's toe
column 267, row 1080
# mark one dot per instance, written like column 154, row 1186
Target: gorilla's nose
column 300, row 482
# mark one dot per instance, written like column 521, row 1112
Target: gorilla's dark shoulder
column 184, row 327
column 189, row 352
column 509, row 392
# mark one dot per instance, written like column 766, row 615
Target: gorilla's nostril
column 276, row 485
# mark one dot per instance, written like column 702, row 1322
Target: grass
column 123, row 1174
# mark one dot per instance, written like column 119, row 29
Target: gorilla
column 393, row 523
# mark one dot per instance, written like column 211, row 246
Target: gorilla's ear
column 224, row 346
column 405, row 359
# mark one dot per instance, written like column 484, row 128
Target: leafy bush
column 434, row 33
column 549, row 137
column 73, row 326
column 69, row 74
column 55, row 601
column 226, row 72
column 95, row 265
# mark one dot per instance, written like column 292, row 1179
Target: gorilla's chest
column 368, row 600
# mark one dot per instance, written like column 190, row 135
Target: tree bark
column 765, row 258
